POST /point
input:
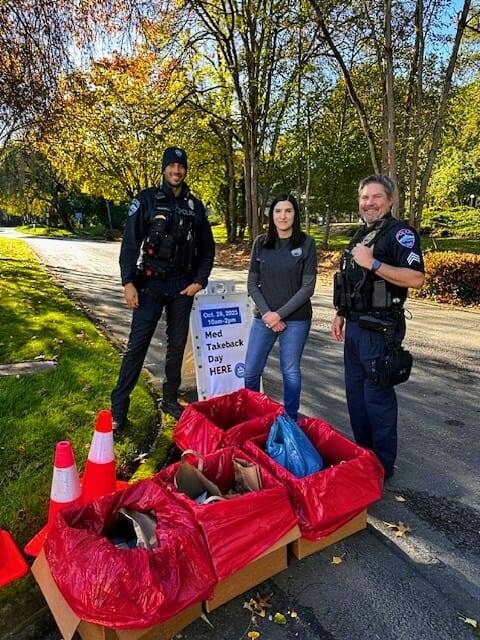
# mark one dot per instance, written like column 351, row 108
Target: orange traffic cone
column 65, row 492
column 12, row 564
column 99, row 477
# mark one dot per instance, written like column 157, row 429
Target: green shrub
column 458, row 222
column 451, row 277
column 112, row 234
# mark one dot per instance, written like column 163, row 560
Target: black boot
column 171, row 406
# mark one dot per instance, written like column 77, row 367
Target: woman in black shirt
column 281, row 281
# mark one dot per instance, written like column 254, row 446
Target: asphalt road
column 387, row 587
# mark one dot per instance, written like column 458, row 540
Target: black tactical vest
column 356, row 288
column 169, row 249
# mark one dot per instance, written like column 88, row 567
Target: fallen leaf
column 253, row 635
column 258, row 605
column 336, row 560
column 279, row 618
column 470, row 621
column 400, row 499
column 22, row 514
column 401, row 529
column 294, row 614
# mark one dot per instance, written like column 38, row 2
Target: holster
column 396, row 365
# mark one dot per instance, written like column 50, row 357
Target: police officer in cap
column 167, row 225
column 383, row 259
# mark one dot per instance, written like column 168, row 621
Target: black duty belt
column 392, row 314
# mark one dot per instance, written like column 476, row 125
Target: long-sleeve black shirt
column 283, row 279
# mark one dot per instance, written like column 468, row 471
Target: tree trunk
column 326, row 229
column 251, row 184
column 109, row 217
column 248, row 185
column 231, row 190
column 417, row 111
column 437, row 131
column 389, row 93
column 307, row 185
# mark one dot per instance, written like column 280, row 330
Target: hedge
column 451, row 277
column 459, row 222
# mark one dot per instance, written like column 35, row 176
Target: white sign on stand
column 219, row 326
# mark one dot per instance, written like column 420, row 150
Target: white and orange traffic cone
column 99, row 476
column 65, row 491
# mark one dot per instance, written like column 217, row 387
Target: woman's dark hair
column 297, row 237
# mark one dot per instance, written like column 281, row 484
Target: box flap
column 67, row 621
column 130, row 634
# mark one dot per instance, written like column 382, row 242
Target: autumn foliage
column 451, row 277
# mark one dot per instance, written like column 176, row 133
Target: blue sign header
column 218, row 317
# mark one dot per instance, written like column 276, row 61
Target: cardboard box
column 68, row 622
column 271, row 562
column 302, row 548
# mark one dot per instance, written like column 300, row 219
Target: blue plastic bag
column 290, row 447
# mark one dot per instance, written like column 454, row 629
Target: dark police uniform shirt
column 283, row 279
column 139, row 221
column 398, row 246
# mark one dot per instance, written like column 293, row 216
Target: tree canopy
column 308, row 96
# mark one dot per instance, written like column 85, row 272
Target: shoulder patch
column 134, row 207
column 406, row 238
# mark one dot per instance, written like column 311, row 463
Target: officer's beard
column 176, row 188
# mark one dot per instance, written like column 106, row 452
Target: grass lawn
column 463, row 245
column 36, row 411
column 50, row 232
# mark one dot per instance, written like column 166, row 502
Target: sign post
column 220, row 326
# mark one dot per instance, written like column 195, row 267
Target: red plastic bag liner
column 129, row 588
column 328, row 499
column 237, row 530
column 225, row 421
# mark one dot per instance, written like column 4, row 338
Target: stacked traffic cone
column 65, row 492
column 12, row 564
column 99, row 476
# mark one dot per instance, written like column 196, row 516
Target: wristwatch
column 376, row 264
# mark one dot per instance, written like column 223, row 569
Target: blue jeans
column 292, row 341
